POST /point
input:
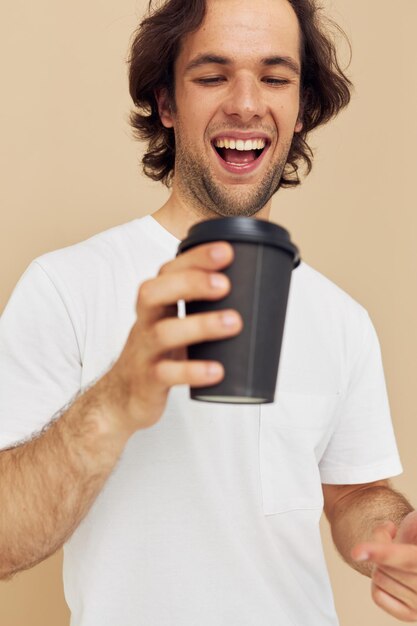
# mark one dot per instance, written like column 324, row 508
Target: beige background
column 69, row 169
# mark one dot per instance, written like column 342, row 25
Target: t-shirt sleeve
column 40, row 364
column 363, row 447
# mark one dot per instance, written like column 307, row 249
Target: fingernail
column 362, row 556
column 218, row 282
column 214, row 369
column 229, row 319
column 218, row 252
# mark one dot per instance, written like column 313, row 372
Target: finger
column 391, row 605
column 208, row 256
column 157, row 294
column 399, row 556
column 169, row 334
column 390, row 584
column 407, row 532
column 381, row 535
column 167, row 373
column 407, row 578
column 384, row 533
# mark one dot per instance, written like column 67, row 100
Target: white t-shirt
column 211, row 517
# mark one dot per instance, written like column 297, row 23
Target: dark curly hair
column 324, row 88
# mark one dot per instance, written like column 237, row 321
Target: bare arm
column 355, row 511
column 48, row 485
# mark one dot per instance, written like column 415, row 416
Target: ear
column 299, row 126
column 164, row 107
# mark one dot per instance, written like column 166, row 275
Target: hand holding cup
column 154, row 357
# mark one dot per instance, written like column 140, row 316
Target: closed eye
column 212, row 80
column 276, row 81
column 216, row 80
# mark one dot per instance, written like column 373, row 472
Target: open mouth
column 238, row 152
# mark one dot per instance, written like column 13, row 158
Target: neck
column 177, row 216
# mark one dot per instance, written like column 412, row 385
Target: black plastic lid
column 240, row 229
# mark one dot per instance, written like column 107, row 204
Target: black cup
column 260, row 276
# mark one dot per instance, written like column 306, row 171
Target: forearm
column 355, row 517
column 49, row 483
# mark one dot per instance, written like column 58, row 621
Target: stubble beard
column 208, row 196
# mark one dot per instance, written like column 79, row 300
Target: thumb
column 407, row 531
column 384, row 533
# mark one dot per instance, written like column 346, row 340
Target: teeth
column 240, row 144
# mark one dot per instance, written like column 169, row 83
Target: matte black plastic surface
column 260, row 276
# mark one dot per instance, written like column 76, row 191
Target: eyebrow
column 215, row 59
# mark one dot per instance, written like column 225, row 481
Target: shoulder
column 87, row 275
column 324, row 298
column 113, row 256
column 103, row 247
column 325, row 315
column 325, row 331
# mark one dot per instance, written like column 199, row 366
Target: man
column 174, row 511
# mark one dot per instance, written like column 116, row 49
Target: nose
column 244, row 99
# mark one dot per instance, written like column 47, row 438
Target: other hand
column 393, row 555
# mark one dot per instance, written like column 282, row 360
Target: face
column 237, row 88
